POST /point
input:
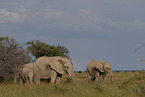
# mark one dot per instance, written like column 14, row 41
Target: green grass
column 127, row 84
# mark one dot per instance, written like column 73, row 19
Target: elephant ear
column 60, row 61
column 100, row 65
column 57, row 66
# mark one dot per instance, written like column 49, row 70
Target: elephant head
column 61, row 65
column 68, row 67
column 57, row 66
column 94, row 66
column 107, row 67
column 99, row 65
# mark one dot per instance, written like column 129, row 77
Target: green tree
column 38, row 49
column 12, row 57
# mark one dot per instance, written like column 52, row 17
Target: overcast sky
column 108, row 30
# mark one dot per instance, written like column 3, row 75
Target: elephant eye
column 65, row 67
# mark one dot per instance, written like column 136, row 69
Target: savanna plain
column 127, row 84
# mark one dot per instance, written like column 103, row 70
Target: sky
column 109, row 30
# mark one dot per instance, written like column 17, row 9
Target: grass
column 127, row 84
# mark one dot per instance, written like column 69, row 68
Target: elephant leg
column 104, row 77
column 112, row 80
column 53, row 76
column 21, row 80
column 97, row 75
column 30, row 77
column 27, row 79
column 15, row 80
column 110, row 74
column 58, row 78
column 37, row 79
column 89, row 76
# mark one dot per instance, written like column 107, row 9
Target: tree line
column 13, row 55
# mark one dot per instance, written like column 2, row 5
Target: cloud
column 86, row 17
column 81, row 18
column 12, row 17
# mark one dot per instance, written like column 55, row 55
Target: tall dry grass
column 127, row 84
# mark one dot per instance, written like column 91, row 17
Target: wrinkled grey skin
column 52, row 68
column 95, row 69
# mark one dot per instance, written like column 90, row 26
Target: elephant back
column 42, row 62
column 27, row 68
column 43, row 65
column 92, row 63
column 99, row 64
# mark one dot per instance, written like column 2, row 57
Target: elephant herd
column 54, row 67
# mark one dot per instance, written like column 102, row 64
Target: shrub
column 79, row 71
column 117, row 71
column 39, row 49
column 12, row 57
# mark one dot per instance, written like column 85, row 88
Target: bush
column 39, row 49
column 12, row 57
column 79, row 71
column 117, row 71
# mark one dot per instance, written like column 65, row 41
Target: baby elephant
column 95, row 69
column 25, row 74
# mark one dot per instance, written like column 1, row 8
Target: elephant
column 52, row 68
column 27, row 73
column 98, row 68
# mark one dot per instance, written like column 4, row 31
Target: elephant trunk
column 110, row 74
column 71, row 74
column 73, row 79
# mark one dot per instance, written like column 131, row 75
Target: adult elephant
column 52, row 68
column 95, row 69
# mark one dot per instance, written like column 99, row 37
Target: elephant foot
column 93, row 79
